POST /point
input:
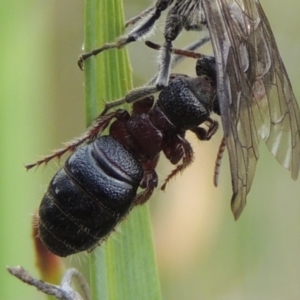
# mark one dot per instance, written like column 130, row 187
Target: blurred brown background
column 202, row 253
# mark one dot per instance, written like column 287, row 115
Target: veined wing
column 254, row 91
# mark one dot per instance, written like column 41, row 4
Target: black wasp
column 256, row 97
column 97, row 186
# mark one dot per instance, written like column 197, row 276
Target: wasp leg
column 140, row 16
column 93, row 131
column 150, row 182
column 143, row 29
column 206, row 134
column 179, row 54
column 132, row 96
column 150, row 88
column 187, row 159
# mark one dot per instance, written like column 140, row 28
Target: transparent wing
column 254, row 91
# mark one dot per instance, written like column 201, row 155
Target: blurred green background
column 202, row 253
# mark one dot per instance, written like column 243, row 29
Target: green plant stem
column 124, row 266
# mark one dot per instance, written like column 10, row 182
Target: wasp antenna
column 219, row 161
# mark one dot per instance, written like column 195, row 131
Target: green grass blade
column 124, row 266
